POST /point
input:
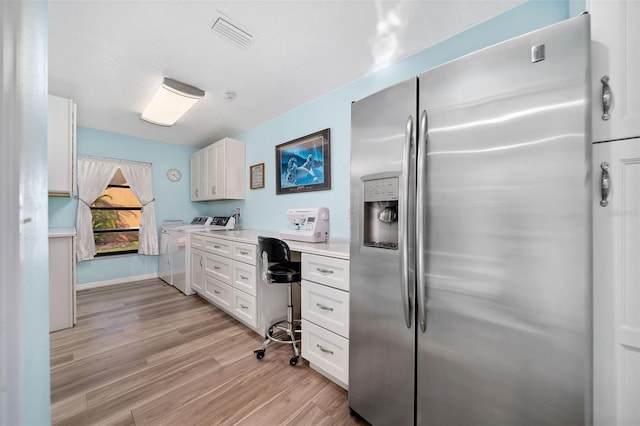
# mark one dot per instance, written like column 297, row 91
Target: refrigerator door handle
column 403, row 224
column 420, row 219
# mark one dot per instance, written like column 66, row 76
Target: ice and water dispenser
column 381, row 213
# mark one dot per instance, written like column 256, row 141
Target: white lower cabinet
column 325, row 316
column 229, row 278
column 62, row 260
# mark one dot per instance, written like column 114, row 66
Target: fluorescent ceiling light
column 172, row 100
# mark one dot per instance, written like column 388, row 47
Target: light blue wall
column 172, row 198
column 262, row 209
column 265, row 210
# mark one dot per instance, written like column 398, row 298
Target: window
column 116, row 218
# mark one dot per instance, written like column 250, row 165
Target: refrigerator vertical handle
column 420, row 221
column 403, row 224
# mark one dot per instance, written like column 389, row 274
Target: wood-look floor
column 142, row 353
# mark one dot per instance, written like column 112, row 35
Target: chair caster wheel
column 293, row 360
column 259, row 353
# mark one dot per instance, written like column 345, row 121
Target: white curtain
column 94, row 174
column 93, row 177
column 139, row 178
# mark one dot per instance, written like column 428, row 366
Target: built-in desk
column 225, row 272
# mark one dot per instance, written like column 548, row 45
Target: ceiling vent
column 232, row 32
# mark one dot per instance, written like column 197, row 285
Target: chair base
column 282, row 332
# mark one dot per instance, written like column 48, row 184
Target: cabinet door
column 61, row 146
column 212, row 185
column 61, row 283
column 615, row 35
column 221, row 170
column 616, row 284
column 197, row 271
column 195, row 176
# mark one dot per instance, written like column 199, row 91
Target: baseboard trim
column 115, row 281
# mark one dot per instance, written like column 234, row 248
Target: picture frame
column 304, row 164
column 256, row 176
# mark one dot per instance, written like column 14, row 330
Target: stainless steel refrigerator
column 470, row 283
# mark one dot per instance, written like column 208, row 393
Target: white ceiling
column 111, row 56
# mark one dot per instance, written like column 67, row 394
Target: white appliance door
column 164, row 259
column 506, row 276
column 178, row 262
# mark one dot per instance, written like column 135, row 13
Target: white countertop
column 62, row 232
column 334, row 248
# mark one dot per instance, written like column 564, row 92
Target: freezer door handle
column 420, row 220
column 404, row 235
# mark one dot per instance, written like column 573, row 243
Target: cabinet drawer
column 218, row 246
column 326, row 350
column 219, row 293
column 326, row 270
column 244, row 308
column 197, row 241
column 244, row 278
column 326, row 307
column 244, row 252
column 218, row 267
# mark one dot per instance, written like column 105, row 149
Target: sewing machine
column 311, row 225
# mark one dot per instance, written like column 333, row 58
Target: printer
column 311, row 225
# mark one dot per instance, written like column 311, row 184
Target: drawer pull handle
column 324, row 271
column 606, row 98
column 325, row 350
column 243, row 277
column 216, row 291
column 217, row 268
column 217, row 247
column 244, row 306
column 324, row 307
column 244, row 253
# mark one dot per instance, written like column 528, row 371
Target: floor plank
column 142, row 353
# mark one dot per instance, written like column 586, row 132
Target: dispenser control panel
column 381, row 189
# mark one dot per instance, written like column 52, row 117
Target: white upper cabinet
column 615, row 35
column 218, row 171
column 61, row 146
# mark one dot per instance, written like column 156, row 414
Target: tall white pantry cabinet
column 616, row 210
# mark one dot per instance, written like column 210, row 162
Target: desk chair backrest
column 276, row 250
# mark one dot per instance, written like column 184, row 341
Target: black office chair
column 276, row 267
